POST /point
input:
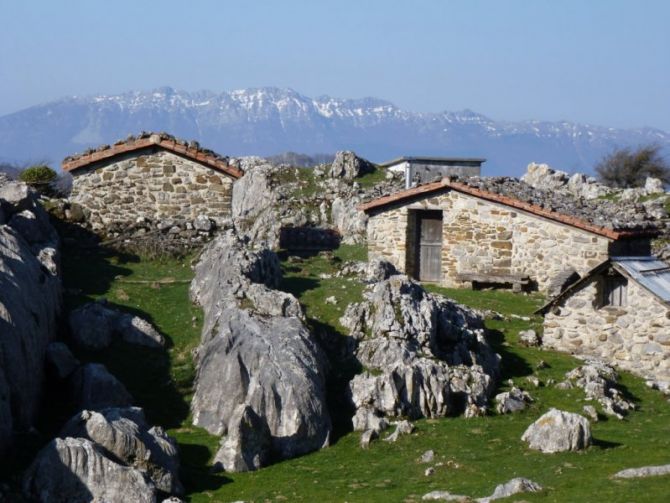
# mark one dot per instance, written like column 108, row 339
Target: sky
column 604, row 62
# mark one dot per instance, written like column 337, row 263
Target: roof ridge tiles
column 146, row 139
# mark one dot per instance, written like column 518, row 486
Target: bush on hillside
column 38, row 175
column 626, row 167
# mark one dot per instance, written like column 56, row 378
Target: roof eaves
column 507, row 201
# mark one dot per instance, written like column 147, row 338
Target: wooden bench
column 517, row 281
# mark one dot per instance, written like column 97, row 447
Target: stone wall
column 635, row 337
column 151, row 183
column 489, row 238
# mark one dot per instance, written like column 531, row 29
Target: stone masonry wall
column 489, row 238
column 635, row 337
column 153, row 184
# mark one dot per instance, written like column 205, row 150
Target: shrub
column 630, row 168
column 38, row 175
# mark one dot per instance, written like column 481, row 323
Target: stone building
column 620, row 312
column 418, row 170
column 151, row 176
column 498, row 231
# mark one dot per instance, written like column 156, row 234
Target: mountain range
column 269, row 121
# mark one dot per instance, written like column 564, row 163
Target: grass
column 476, row 454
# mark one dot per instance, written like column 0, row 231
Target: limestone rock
column 427, row 457
column 558, row 431
column 513, row 400
column 654, row 186
column 379, row 270
column 598, row 380
column 429, row 354
column 60, row 361
column 261, row 356
column 348, row 165
column 124, row 433
column 515, row 486
column 349, row 221
column 248, row 444
column 644, row 471
column 367, row 437
column 403, row 427
column 445, row 496
column 529, row 338
column 30, row 301
column 94, row 325
column 92, row 387
column 77, row 471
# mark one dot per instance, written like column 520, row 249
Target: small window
column 614, row 291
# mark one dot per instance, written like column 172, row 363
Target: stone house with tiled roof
column 151, row 176
column 461, row 232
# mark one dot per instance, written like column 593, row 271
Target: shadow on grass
column 195, row 472
column 511, row 364
column 605, row 444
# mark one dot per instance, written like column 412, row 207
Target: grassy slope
column 477, row 453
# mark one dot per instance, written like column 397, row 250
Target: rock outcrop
column 111, row 456
column 425, row 355
column 541, row 176
column 92, row 387
column 513, row 400
column 558, row 431
column 94, row 325
column 125, row 434
column 598, row 380
column 643, row 472
column 76, row 470
column 30, row 300
column 256, row 353
column 270, row 198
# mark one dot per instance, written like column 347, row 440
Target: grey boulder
column 248, row 444
column 558, row 431
column 510, row 488
column 75, row 470
column 428, row 355
column 255, row 352
column 513, row 400
column 92, row 387
column 60, row 361
column 124, row 434
column 347, row 165
column 94, row 325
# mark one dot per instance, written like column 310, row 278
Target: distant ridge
column 269, row 121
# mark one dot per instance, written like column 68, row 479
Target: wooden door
column 430, row 245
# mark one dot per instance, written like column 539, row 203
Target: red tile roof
column 446, row 183
column 170, row 143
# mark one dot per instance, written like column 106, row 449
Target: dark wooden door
column 430, row 246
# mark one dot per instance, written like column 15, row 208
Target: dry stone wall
column 488, row 238
column 635, row 337
column 152, row 184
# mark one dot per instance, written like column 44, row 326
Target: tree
column 626, row 167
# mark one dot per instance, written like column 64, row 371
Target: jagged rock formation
column 558, row 431
column 30, row 299
column 93, row 325
column 513, row 400
column 598, row 380
column 541, row 176
column 110, row 456
column 125, row 434
column 268, row 198
column 92, row 387
column 425, row 355
column 255, row 352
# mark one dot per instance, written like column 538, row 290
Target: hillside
column 469, row 450
column 268, row 121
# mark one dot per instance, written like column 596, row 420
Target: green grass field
column 475, row 454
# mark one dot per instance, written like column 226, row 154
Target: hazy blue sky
column 600, row 61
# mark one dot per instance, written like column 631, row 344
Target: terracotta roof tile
column 447, row 183
column 191, row 150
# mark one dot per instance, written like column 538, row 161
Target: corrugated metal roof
column 650, row 272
